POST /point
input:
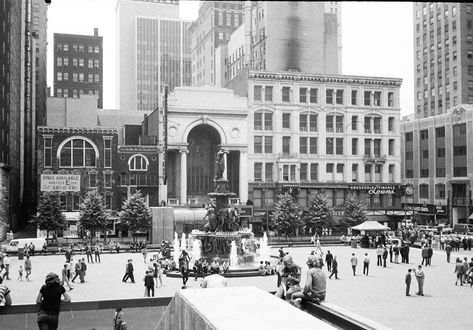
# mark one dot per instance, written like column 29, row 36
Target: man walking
column 83, row 269
column 408, row 282
column 129, row 272
column 88, row 251
column 28, row 268
column 379, row 255
column 430, row 253
column 334, row 268
column 366, row 264
column 97, row 253
column 328, row 260
column 425, row 256
column 149, row 283
column 6, row 264
column 385, row 256
column 420, row 276
column 390, row 253
column 448, row 251
column 77, row 268
column 406, row 251
column 354, row 262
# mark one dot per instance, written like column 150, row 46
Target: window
column 424, row 191
column 377, row 148
column 390, row 99
column 303, row 145
column 65, row 76
column 59, row 76
column 138, row 163
column 377, row 99
column 77, row 152
column 96, row 49
column 391, row 173
column 96, row 64
column 59, row 61
column 81, row 62
column 313, row 95
column 108, row 153
column 440, row 191
column 368, row 173
column 354, row 96
column 313, row 123
column 339, row 95
column 303, row 95
column 268, row 172
column 74, row 77
column 303, row 171
column 286, row 120
column 257, row 93
column 354, row 172
column 268, row 144
column 354, row 123
column 286, row 144
column 339, row 124
column 268, row 93
column 329, row 142
column 329, row 123
column 258, row 171
column 440, row 152
column 268, row 121
column 367, row 125
column 92, row 179
column 354, row 146
column 303, row 122
column 314, row 170
column 74, row 62
column 81, row 77
column 91, row 77
column 48, row 151
column 96, row 78
column 339, row 146
column 391, row 147
column 424, row 134
column 108, row 201
column 107, row 180
column 377, row 124
column 391, row 124
column 285, row 94
column 329, row 96
column 258, row 145
column 377, row 173
column 459, row 151
column 65, row 47
column 75, row 94
column 367, row 98
column 409, row 136
column 367, row 147
column 313, row 145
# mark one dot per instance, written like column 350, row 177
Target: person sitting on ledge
column 262, row 269
column 315, row 287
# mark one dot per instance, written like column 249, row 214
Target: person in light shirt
column 214, row 281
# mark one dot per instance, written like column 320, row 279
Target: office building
column 437, row 160
column 39, row 28
column 153, row 49
column 443, row 56
column 216, row 22
column 78, row 65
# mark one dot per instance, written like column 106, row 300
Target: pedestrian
column 83, row 270
column 316, row 285
column 144, row 252
column 68, row 254
column 197, row 269
column 328, row 260
column 5, row 297
column 402, row 251
column 334, row 268
column 385, row 256
column 65, row 278
column 118, row 323
column 406, row 251
column 465, row 269
column 448, row 251
column 396, row 253
column 290, row 279
column 117, row 248
column 6, row 264
column 354, row 262
column 379, row 256
column 111, row 246
column 366, row 264
column 390, row 253
column 430, row 253
column 97, row 252
column 129, row 272
column 185, row 272
column 20, row 273
column 281, row 253
column 278, row 269
column 88, row 251
column 149, row 283
column 420, row 277
column 27, row 268
column 77, row 270
column 425, row 255
column 44, row 249
column 408, row 282
column 459, row 271
column 50, row 299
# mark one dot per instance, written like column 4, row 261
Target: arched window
column 77, row 152
column 138, row 163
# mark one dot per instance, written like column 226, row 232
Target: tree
column 135, row 215
column 93, row 216
column 318, row 216
column 50, row 217
column 355, row 210
column 287, row 215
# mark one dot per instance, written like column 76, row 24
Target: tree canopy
column 135, row 214
column 93, row 216
column 50, row 217
column 355, row 210
column 287, row 215
column 318, row 215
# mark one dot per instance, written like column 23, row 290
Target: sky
column 377, row 39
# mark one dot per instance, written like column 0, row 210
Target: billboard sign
column 244, row 210
column 60, row 182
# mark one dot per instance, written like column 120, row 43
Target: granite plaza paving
column 379, row 296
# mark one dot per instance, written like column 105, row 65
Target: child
column 20, row 273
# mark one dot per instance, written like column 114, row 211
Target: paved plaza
column 379, row 296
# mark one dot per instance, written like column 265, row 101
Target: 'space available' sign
column 60, row 182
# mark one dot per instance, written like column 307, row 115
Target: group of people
column 464, row 271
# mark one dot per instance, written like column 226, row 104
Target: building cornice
column 322, row 78
column 78, row 130
column 137, row 148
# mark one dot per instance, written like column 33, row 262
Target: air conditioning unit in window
column 173, row 201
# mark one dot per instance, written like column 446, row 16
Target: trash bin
column 21, row 253
column 354, row 243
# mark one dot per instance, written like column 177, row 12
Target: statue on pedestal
column 220, row 160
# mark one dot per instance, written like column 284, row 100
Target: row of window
column 332, row 96
column 78, row 77
column 309, row 172
column 71, row 202
column 439, row 191
column 77, row 62
column 74, row 92
column 77, row 48
column 263, row 121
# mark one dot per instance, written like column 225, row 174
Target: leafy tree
column 93, row 216
column 50, row 217
column 287, row 215
column 355, row 210
column 318, row 216
column 135, row 215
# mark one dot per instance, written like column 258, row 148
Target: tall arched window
column 77, row 152
column 138, row 163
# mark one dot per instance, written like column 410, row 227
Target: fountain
column 183, row 242
column 233, row 255
column 196, row 249
column 175, row 243
column 264, row 248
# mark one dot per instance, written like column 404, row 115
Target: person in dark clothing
column 406, row 251
column 83, row 270
column 430, row 253
column 402, row 250
column 281, row 252
column 448, row 250
column 198, row 269
column 390, row 253
column 49, row 298
column 385, row 256
column 68, row 255
column 334, row 268
column 88, row 251
column 185, row 272
column 425, row 256
column 408, row 282
column 328, row 260
column 129, row 272
column 149, row 283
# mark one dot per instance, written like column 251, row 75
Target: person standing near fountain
column 185, row 273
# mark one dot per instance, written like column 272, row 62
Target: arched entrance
column 203, row 141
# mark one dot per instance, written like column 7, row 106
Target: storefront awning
column 470, row 217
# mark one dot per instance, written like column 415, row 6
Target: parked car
column 462, row 228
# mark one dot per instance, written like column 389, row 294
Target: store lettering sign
column 60, row 182
column 376, row 189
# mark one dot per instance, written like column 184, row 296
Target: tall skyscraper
column 78, row 65
column 216, row 22
column 39, row 27
column 18, row 45
column 443, row 56
column 153, row 49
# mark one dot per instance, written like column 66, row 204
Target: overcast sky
column 377, row 39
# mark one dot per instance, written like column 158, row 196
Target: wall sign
column 60, row 182
column 376, row 189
